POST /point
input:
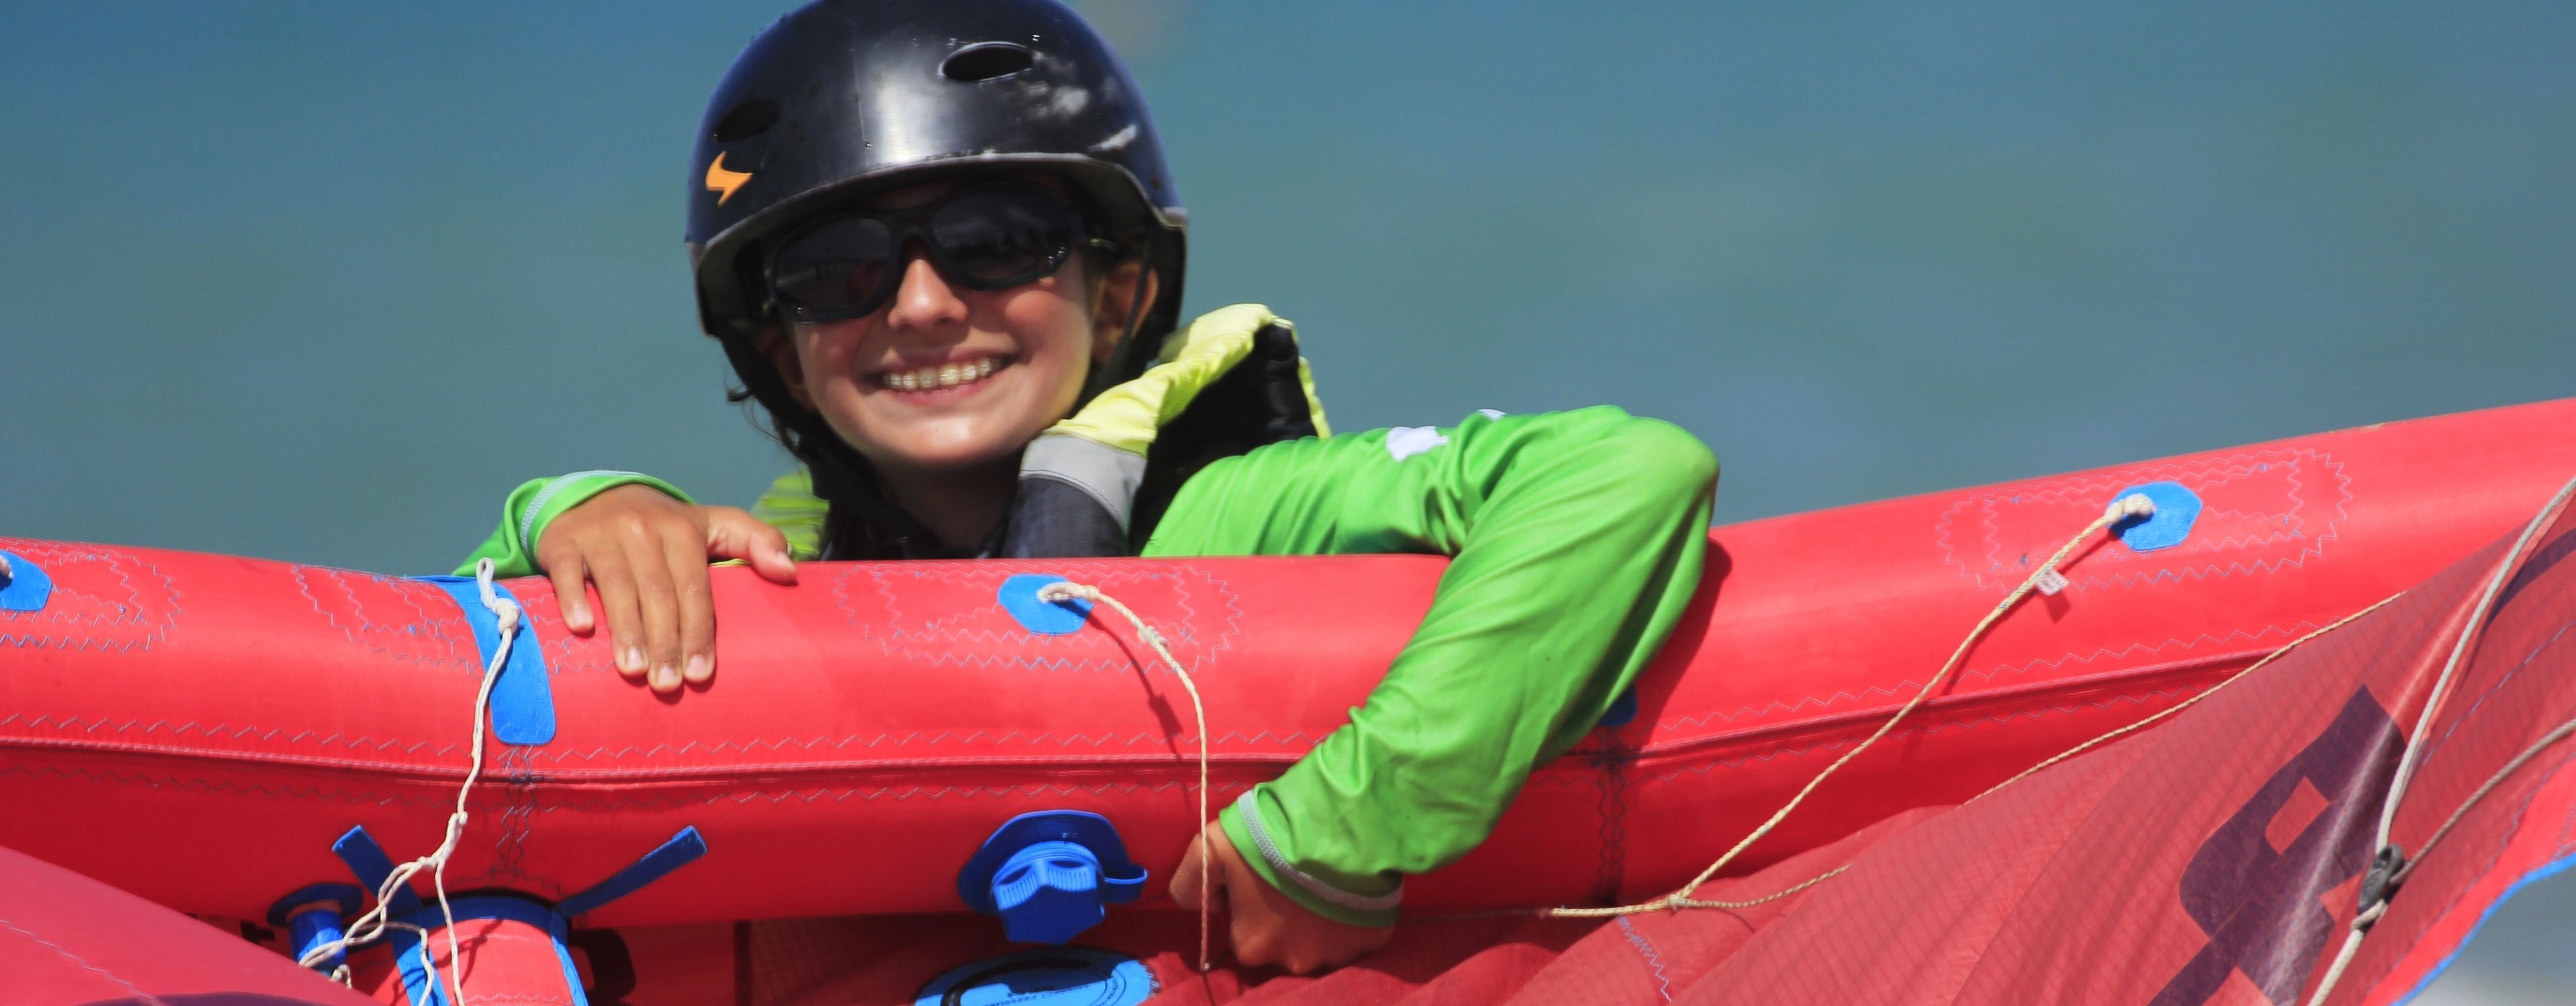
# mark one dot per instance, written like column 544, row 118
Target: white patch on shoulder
column 1490, row 413
column 1406, row 441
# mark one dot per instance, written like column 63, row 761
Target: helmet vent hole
column 747, row 120
column 986, row 61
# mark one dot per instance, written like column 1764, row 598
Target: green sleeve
column 1577, row 540
column 791, row 506
column 513, row 546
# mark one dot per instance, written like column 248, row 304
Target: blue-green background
column 321, row 282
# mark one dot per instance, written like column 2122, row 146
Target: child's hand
column 1266, row 926
column 647, row 553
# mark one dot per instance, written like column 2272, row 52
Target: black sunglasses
column 988, row 237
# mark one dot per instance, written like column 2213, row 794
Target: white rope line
column 1065, row 590
column 2370, row 912
column 2469, row 634
column 2172, row 710
column 371, row 925
column 2045, row 579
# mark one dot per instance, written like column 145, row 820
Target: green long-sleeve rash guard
column 1576, row 540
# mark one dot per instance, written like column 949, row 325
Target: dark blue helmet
column 846, row 97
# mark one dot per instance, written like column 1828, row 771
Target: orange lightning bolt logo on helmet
column 723, row 182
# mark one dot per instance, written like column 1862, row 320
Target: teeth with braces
column 945, row 376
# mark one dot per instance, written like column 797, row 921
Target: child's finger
column 736, row 534
column 769, row 555
column 688, row 565
column 571, row 576
column 616, row 586
column 659, row 603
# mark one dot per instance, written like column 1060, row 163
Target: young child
column 938, row 242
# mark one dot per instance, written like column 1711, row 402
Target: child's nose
column 924, row 299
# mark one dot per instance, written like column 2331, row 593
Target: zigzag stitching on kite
column 510, row 848
column 841, row 794
column 900, row 643
column 228, row 786
column 1225, row 637
column 1140, row 738
column 115, row 564
column 2500, row 682
column 270, row 734
column 1896, row 688
column 844, row 794
column 1654, row 961
column 357, row 609
column 2228, row 469
column 2061, row 660
column 31, row 641
column 1970, row 723
column 68, row 724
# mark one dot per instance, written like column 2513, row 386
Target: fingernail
column 631, row 660
column 666, row 677
column 699, row 668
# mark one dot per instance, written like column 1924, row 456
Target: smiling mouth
column 943, row 376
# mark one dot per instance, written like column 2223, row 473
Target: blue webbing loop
column 368, row 861
column 683, row 848
column 523, row 705
column 412, row 953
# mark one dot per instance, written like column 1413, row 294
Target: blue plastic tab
column 1019, row 596
column 1050, row 875
column 2177, row 509
column 1071, row 976
column 683, row 849
column 368, row 862
column 24, row 586
column 523, row 704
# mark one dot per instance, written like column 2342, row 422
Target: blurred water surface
column 322, row 282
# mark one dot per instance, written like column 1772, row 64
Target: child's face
column 943, row 377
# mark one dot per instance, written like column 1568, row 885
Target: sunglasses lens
column 999, row 238
column 837, row 270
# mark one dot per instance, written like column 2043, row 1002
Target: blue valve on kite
column 1050, row 875
column 315, row 916
column 2177, row 508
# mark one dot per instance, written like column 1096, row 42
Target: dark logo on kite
column 2257, row 887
